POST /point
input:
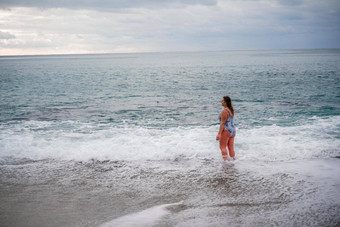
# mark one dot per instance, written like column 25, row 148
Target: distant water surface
column 88, row 139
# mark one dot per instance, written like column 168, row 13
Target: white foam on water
column 83, row 141
column 116, row 143
column 319, row 138
column 148, row 217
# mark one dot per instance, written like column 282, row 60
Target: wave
column 71, row 140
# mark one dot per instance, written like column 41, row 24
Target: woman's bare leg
column 231, row 147
column 223, row 144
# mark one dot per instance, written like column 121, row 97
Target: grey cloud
column 102, row 4
column 290, row 2
column 6, row 35
column 150, row 25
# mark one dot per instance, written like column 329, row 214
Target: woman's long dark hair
column 227, row 100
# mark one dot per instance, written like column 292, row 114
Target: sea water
column 100, row 140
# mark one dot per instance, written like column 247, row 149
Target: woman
column 227, row 132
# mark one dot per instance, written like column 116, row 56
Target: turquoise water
column 153, row 117
column 171, row 90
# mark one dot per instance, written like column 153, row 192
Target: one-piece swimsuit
column 229, row 124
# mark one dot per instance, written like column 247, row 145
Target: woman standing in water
column 227, row 131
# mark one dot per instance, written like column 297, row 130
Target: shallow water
column 87, row 140
column 209, row 193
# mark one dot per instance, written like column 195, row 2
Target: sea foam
column 84, row 141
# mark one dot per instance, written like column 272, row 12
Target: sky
column 34, row 27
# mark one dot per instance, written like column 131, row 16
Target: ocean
column 129, row 139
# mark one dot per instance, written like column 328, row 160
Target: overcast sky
column 120, row 26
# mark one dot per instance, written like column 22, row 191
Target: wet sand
column 210, row 192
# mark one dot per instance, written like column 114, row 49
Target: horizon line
column 158, row 52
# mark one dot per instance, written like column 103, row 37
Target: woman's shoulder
column 228, row 111
column 225, row 111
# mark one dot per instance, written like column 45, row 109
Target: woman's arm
column 224, row 117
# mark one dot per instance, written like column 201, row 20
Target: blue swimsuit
column 229, row 124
